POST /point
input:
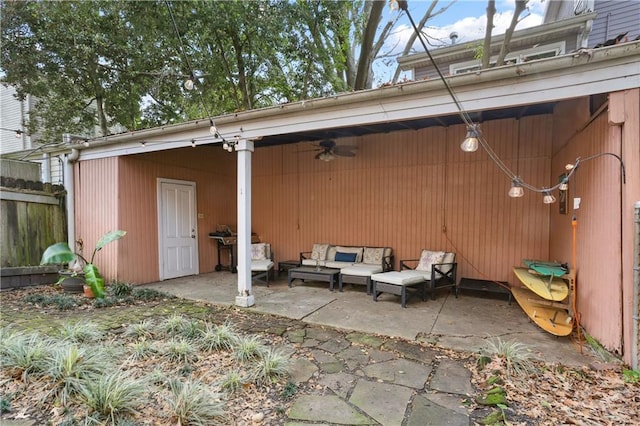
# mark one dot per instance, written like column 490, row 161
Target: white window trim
column 519, row 56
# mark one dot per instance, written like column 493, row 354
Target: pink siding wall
column 599, row 239
column 624, row 111
column 410, row 190
column 96, row 192
column 135, row 209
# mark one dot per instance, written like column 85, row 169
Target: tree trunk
column 486, row 47
column 363, row 75
column 521, row 5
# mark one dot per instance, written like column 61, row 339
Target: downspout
column 68, row 160
column 635, row 336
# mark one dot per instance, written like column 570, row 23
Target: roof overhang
column 503, row 91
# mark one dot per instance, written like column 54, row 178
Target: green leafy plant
column 631, row 376
column 61, row 253
column 290, row 389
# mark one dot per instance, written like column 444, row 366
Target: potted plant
column 61, row 253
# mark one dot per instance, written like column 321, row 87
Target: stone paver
column 385, row 402
column 426, row 412
column 331, row 409
column 401, row 372
column 452, row 377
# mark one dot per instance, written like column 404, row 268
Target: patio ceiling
column 415, row 124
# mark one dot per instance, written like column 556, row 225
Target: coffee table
column 329, row 275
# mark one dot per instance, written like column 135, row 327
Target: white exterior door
column 177, row 228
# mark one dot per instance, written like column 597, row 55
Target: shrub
column 23, row 355
column 232, row 382
column 191, row 403
column 114, row 394
column 120, row 289
column 71, row 368
column 271, row 366
column 516, row 356
column 145, row 328
column 248, row 348
column 179, row 350
column 217, row 337
column 79, row 331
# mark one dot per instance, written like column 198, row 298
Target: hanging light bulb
column 19, row 134
column 548, row 198
column 144, row 144
column 86, row 143
column 470, row 143
column 189, row 83
column 225, row 146
column 213, row 130
column 230, row 147
column 564, row 185
column 516, row 190
column 193, row 143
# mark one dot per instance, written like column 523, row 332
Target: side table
column 285, row 265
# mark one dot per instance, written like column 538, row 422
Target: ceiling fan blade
column 345, row 150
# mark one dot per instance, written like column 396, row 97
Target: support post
column 245, row 299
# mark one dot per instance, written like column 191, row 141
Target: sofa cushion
column 356, row 250
column 406, row 277
column 428, row 258
column 311, row 262
column 361, row 270
column 337, row 265
column 261, row 265
column 373, row 255
column 319, row 251
column 258, row 251
column 345, row 257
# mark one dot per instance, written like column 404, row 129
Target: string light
column 193, row 143
column 18, row 132
column 516, row 190
column 474, row 136
column 470, row 143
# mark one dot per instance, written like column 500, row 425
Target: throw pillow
column 319, row 251
column 428, row 258
column 373, row 256
column 356, row 250
column 258, row 251
column 345, row 257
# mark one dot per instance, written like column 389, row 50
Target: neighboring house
column 409, row 187
column 15, row 140
column 613, row 17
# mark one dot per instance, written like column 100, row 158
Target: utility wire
column 191, row 74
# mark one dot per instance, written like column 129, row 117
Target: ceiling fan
column 329, row 151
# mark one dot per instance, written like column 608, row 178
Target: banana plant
column 61, row 253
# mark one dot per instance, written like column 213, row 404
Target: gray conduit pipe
column 636, row 287
column 68, row 160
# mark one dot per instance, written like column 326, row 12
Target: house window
column 518, row 57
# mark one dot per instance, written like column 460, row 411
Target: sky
column 465, row 17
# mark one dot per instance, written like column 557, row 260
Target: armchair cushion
column 319, row 251
column 428, row 258
column 258, row 251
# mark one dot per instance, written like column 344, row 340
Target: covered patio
column 465, row 323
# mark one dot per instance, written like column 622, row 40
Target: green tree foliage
column 96, row 65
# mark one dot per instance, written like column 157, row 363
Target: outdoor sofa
column 356, row 263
